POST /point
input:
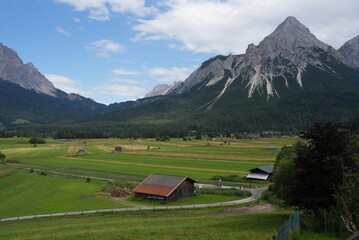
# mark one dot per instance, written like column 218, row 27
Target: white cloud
column 101, row 9
column 100, row 14
column 121, row 90
column 77, row 20
column 62, row 31
column 224, row 26
column 67, row 84
column 104, row 48
column 169, row 75
column 124, row 80
column 122, row 71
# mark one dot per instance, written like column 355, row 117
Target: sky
column 118, row 50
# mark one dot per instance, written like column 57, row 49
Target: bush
column 163, row 139
column 2, row 156
column 224, row 192
column 5, row 161
column 37, row 141
column 121, row 184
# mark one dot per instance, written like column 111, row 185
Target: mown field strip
column 17, row 151
column 153, row 165
column 190, row 155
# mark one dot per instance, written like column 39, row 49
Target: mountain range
column 286, row 82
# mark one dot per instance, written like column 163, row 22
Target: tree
column 37, row 140
column 2, row 156
column 321, row 164
column 284, row 171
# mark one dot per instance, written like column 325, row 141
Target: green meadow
column 140, row 158
column 52, row 177
column 183, row 224
column 23, row 193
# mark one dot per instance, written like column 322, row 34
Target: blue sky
column 116, row 50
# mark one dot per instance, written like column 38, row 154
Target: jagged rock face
column 158, row 90
column 162, row 89
column 284, row 53
column 25, row 75
column 350, row 52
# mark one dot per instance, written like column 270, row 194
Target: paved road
column 256, row 194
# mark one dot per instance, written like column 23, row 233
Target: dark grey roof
column 165, row 180
column 267, row 169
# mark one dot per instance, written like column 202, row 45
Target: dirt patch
column 265, row 207
column 85, row 197
column 115, row 192
column 134, row 146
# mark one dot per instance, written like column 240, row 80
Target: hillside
column 287, row 82
column 27, row 96
column 20, row 105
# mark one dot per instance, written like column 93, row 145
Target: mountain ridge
column 291, row 42
column 288, row 81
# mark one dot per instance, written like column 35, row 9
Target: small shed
column 271, row 148
column 165, row 188
column 118, row 149
column 261, row 173
column 81, row 152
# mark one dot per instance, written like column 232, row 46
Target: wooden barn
column 118, row 149
column 165, row 188
column 261, row 173
column 81, row 152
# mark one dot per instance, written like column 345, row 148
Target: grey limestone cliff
column 25, row 75
column 350, row 52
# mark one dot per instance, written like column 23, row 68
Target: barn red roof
column 154, row 190
column 160, row 185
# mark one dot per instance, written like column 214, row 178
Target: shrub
column 37, row 141
column 5, row 161
column 224, row 192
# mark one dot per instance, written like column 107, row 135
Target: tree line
column 320, row 175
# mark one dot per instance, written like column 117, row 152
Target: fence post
column 288, row 226
column 325, row 221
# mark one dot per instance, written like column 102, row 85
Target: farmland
column 52, row 177
column 140, row 158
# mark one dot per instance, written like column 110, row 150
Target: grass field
column 143, row 157
column 23, row 193
column 64, row 188
column 184, row 224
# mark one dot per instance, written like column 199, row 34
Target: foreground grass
column 198, row 199
column 183, row 224
column 24, row 193
column 321, row 236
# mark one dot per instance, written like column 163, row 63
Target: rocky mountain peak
column 291, row 35
column 158, row 90
column 350, row 52
column 162, row 89
column 26, row 75
column 283, row 54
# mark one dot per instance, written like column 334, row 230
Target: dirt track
column 265, row 207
